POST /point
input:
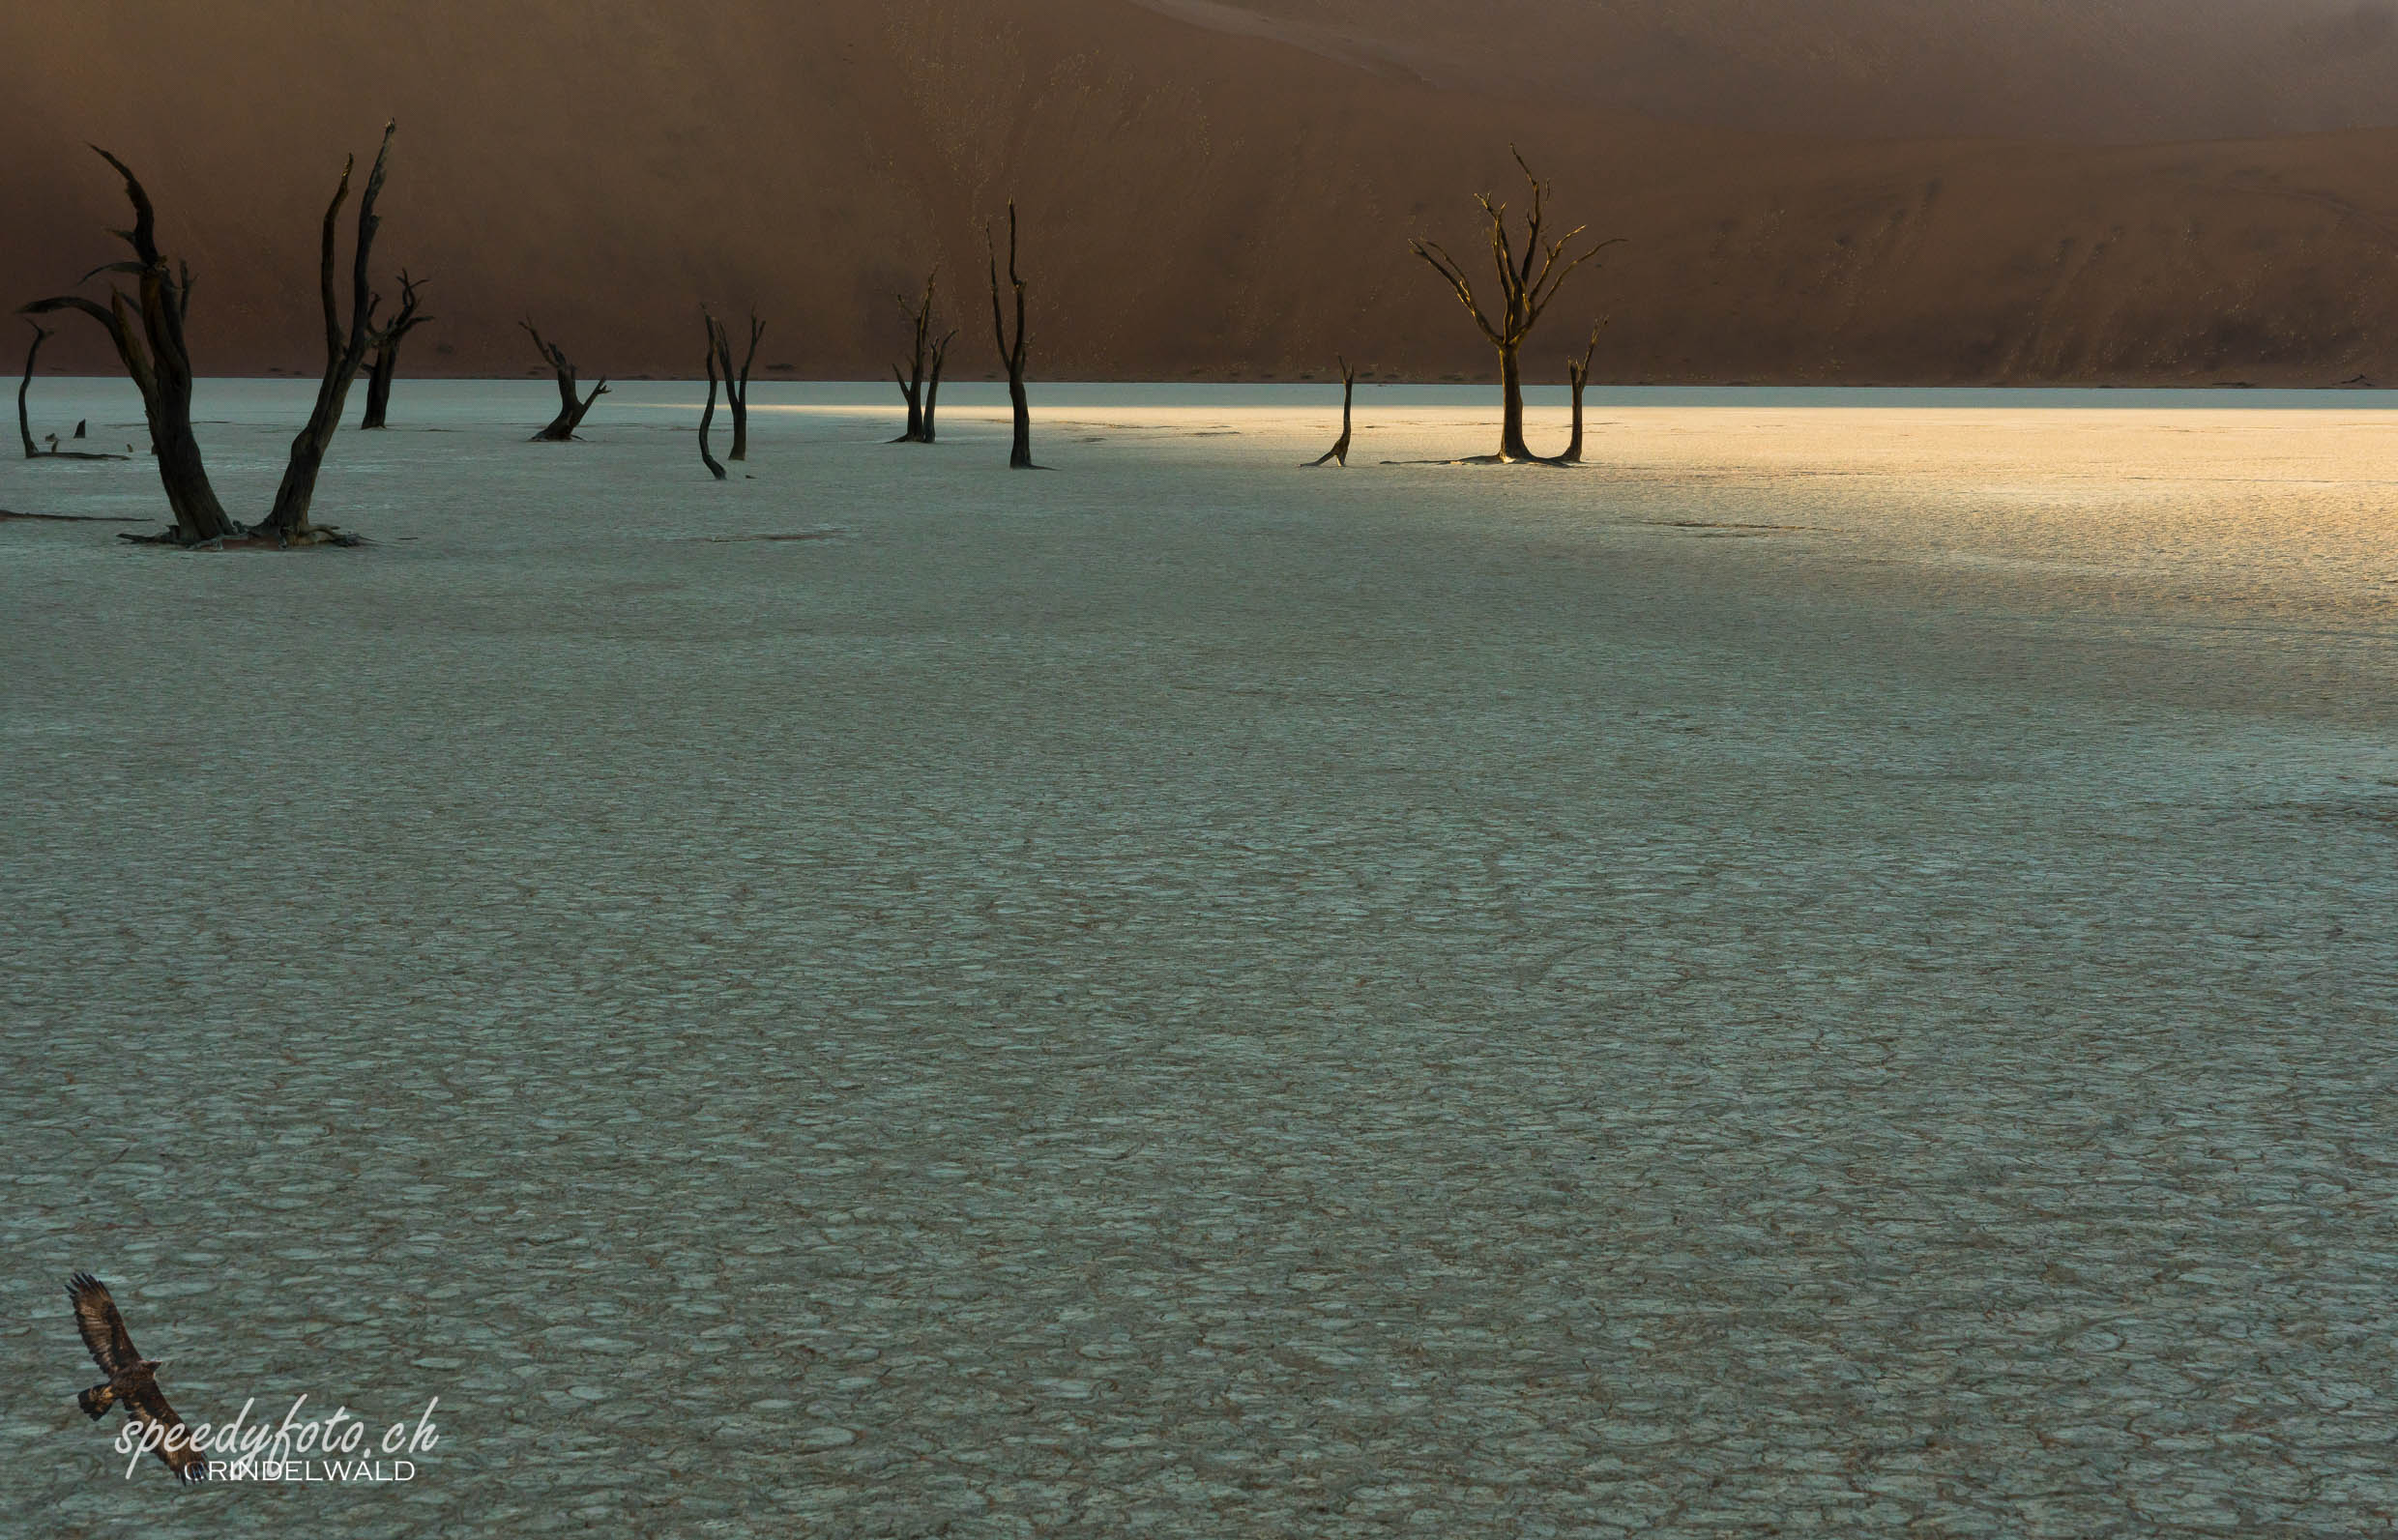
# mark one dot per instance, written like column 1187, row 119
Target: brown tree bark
column 386, row 362
column 571, row 409
column 24, row 420
column 1339, row 451
column 1013, row 354
column 346, row 349
column 155, row 355
column 1526, row 286
column 736, row 395
column 1578, row 375
column 717, row 344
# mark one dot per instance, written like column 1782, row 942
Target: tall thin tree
column 1339, row 451
column 1013, row 354
column 345, row 348
column 1526, row 285
column 737, row 390
column 718, row 346
column 1578, row 375
column 932, row 385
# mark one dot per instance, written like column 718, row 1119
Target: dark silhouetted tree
column 571, row 408
column 345, row 348
column 933, row 384
column 1339, row 451
column 385, row 364
column 148, row 334
column 921, row 386
column 1578, row 375
column 718, row 346
column 1526, row 285
column 1020, row 449
column 25, row 419
column 737, row 390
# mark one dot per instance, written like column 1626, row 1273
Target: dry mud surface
column 1832, row 972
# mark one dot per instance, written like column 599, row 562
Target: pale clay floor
column 1185, row 996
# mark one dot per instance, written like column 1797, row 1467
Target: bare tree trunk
column 736, row 398
column 1020, row 448
column 1578, row 375
column 345, row 352
column 921, row 384
column 570, row 408
column 932, row 386
column 1511, row 446
column 386, row 361
column 1526, row 286
column 24, row 420
column 716, row 342
column 1339, row 451
column 160, row 363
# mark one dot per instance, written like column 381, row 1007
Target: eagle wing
column 103, row 1329
column 146, row 1409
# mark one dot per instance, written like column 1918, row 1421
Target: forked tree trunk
column 160, row 363
column 736, row 387
column 571, row 409
column 1013, row 354
column 1339, row 451
column 707, row 420
column 385, row 366
column 1578, row 375
column 345, row 352
column 920, row 385
column 1526, row 286
column 25, row 419
column 932, row 388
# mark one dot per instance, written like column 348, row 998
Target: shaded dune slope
column 1200, row 202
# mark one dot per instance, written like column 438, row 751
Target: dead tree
column 160, row 363
column 1339, row 451
column 736, row 395
column 386, row 362
column 1526, row 286
column 932, row 382
column 1578, row 374
column 24, row 420
column 921, row 386
column 346, row 349
column 570, row 407
column 718, row 346
column 1020, row 452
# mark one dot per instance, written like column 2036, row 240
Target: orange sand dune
column 1206, row 195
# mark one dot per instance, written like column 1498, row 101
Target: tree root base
column 1559, row 462
column 252, row 539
